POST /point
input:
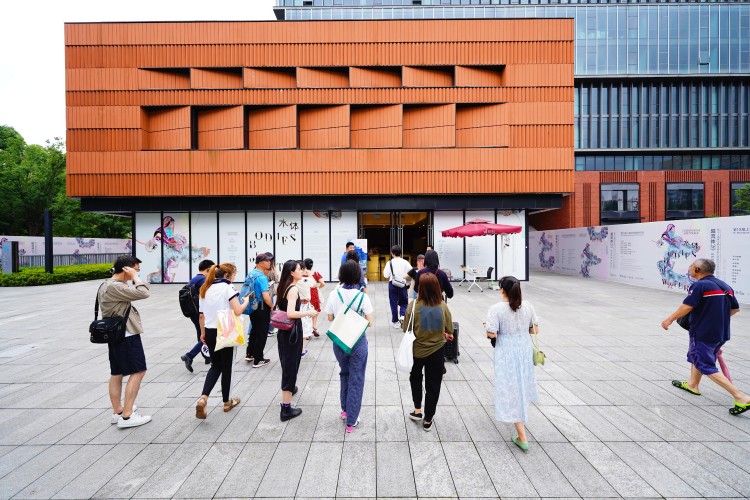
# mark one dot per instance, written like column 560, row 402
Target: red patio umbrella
column 480, row 227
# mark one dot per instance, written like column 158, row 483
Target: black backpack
column 187, row 301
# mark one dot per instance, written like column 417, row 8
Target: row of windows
column 620, row 202
column 610, row 40
column 662, row 162
column 662, row 115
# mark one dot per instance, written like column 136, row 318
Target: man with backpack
column 189, row 304
column 259, row 308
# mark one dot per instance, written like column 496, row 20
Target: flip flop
column 685, row 387
column 739, row 408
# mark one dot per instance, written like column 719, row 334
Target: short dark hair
column 353, row 255
column 308, row 263
column 396, row 250
column 349, row 244
column 205, row 264
column 124, row 261
column 350, row 273
column 431, row 259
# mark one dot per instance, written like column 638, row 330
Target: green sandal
column 685, row 387
column 739, row 408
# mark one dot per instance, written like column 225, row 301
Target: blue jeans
column 399, row 298
column 197, row 347
column 352, row 377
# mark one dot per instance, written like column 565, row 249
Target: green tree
column 32, row 180
column 742, row 199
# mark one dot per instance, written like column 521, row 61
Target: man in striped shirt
column 710, row 303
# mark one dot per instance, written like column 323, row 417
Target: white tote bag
column 348, row 326
column 230, row 329
column 405, row 355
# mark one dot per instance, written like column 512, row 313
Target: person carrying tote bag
column 352, row 364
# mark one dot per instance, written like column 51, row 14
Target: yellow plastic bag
column 230, row 329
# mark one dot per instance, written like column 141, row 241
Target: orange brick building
column 220, row 137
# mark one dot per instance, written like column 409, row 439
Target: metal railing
column 68, row 260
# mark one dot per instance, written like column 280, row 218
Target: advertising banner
column 652, row 254
column 34, row 245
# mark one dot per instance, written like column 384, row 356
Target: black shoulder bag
column 684, row 321
column 107, row 330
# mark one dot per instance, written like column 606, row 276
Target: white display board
column 480, row 250
column 203, row 238
column 260, row 237
column 175, row 236
column 450, row 250
column 288, row 227
column 653, row 254
column 511, row 248
column 232, row 242
column 148, row 245
column 316, row 240
column 343, row 229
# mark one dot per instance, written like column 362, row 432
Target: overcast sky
column 32, row 61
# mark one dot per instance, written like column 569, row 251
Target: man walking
column 195, row 284
column 260, row 319
column 710, row 303
column 127, row 357
column 397, row 271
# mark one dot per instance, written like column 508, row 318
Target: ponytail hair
column 512, row 288
column 217, row 272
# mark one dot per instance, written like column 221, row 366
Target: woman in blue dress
column 511, row 322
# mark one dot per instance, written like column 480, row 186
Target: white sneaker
column 116, row 416
column 135, row 420
column 396, row 325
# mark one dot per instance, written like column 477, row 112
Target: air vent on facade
column 307, row 3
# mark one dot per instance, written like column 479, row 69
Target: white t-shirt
column 334, row 303
column 217, row 298
column 400, row 268
column 303, row 286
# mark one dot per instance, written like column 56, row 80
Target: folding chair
column 472, row 273
column 488, row 277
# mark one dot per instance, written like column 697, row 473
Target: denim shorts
column 127, row 357
column 703, row 356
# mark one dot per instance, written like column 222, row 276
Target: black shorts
column 127, row 357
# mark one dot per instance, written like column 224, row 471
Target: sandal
column 524, row 445
column 685, row 387
column 200, row 408
column 739, row 408
column 231, row 404
column 315, row 332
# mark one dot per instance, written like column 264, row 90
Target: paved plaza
column 608, row 423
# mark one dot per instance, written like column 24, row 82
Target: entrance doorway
column 412, row 231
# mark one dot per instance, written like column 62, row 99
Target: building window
column 684, row 200
column 619, row 203
column 740, row 196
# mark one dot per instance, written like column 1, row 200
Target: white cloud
column 32, row 65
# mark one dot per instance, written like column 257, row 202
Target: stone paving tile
column 606, row 409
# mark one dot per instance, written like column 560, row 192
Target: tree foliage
column 32, row 180
column 742, row 199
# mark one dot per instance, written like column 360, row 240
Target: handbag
column 348, row 328
column 230, row 329
column 279, row 318
column 107, row 330
column 396, row 280
column 538, row 355
column 405, row 354
column 684, row 321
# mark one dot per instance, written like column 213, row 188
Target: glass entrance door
column 412, row 231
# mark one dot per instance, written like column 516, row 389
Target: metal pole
column 48, row 247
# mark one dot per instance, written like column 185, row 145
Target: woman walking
column 352, row 365
column 510, row 322
column 218, row 294
column 314, row 295
column 432, row 324
column 289, row 342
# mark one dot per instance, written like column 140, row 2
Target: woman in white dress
column 510, row 322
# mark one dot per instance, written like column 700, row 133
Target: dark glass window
column 740, row 193
column 619, row 202
column 684, row 200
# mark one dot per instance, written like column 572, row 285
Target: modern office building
column 223, row 139
column 662, row 98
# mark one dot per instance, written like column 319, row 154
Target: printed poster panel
column 480, row 250
column 343, row 229
column 450, row 250
column 259, row 237
column 148, row 245
column 203, row 236
column 317, row 239
column 288, row 236
column 232, row 242
column 653, row 254
column 34, row 245
column 511, row 248
column 175, row 235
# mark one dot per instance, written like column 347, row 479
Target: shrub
column 34, row 276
